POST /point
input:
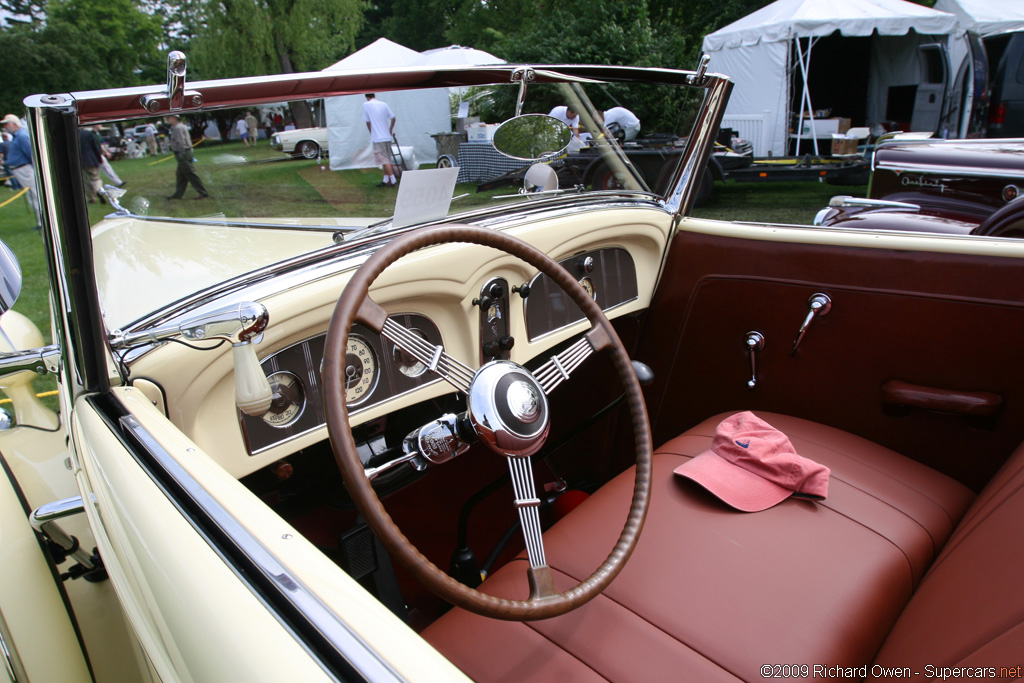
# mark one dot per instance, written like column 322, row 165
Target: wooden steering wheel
column 508, row 410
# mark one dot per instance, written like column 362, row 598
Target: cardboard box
column 843, row 145
column 481, row 132
column 824, row 128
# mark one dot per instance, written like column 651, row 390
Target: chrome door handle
column 754, row 342
column 820, row 304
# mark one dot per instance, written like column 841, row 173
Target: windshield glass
column 208, row 196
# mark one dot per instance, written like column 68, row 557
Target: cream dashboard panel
column 439, row 283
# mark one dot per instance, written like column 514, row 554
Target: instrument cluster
column 375, row 371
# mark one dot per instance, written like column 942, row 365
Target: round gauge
column 288, row 401
column 588, row 285
column 408, row 364
column 360, row 370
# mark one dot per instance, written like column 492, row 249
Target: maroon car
column 964, row 187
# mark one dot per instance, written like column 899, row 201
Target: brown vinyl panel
column 946, row 321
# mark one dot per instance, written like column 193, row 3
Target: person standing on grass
column 181, row 145
column 19, row 160
column 150, row 136
column 253, row 127
column 380, row 121
column 243, row 130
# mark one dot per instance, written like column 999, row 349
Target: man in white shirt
column 380, row 121
column 569, row 117
column 621, row 119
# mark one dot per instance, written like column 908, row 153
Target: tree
column 257, row 37
column 80, row 45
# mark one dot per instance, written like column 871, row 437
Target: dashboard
column 377, row 370
column 446, row 292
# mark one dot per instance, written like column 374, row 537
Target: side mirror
column 10, row 278
column 531, row 137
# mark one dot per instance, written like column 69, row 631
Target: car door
column 911, row 316
column 930, row 100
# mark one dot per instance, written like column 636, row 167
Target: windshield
column 208, row 196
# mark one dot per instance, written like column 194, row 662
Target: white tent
column 764, row 54
column 418, row 113
column 986, row 17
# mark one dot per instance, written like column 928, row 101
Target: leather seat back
column 969, row 609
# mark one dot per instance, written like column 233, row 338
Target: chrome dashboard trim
column 347, row 643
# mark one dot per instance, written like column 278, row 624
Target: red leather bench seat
column 714, row 594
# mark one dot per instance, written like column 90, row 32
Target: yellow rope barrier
column 42, row 395
column 23, row 191
column 159, row 161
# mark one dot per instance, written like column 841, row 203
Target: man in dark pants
column 181, row 145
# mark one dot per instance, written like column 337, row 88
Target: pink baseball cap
column 753, row 466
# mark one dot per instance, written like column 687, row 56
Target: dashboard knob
column 484, row 302
column 523, row 290
column 491, row 348
column 496, row 291
column 506, row 342
column 587, row 264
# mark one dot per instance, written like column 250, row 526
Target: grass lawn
column 303, row 188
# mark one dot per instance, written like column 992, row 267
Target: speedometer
column 360, row 370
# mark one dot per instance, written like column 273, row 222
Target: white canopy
column 788, row 19
column 986, row 17
column 761, row 51
column 418, row 113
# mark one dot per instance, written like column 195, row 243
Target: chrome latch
column 754, row 343
column 820, row 304
column 176, row 98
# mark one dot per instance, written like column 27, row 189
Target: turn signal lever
column 241, row 324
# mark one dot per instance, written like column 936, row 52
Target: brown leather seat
column 714, row 594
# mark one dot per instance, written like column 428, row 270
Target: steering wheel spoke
column 561, row 365
column 434, row 357
column 528, row 506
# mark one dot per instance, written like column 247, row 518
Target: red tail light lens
column 997, row 114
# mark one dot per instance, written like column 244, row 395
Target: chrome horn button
column 523, row 401
column 508, row 409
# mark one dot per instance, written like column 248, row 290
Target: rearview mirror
column 10, row 278
column 531, row 137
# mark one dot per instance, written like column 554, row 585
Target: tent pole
column 805, row 67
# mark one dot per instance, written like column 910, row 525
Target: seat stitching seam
column 957, row 540
column 650, row 623
column 884, row 473
column 582, row 663
column 824, row 503
column 992, row 639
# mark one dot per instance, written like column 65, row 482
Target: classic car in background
column 958, row 187
column 308, row 143
column 311, row 428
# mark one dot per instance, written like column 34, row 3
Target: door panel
column 939, row 320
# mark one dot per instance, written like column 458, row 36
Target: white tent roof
column 380, row 53
column 418, row 113
column 456, row 55
column 986, row 16
column 787, row 19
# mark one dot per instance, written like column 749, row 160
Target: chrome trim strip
column 240, row 224
column 933, row 169
column 127, row 103
column 346, row 642
column 12, row 663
